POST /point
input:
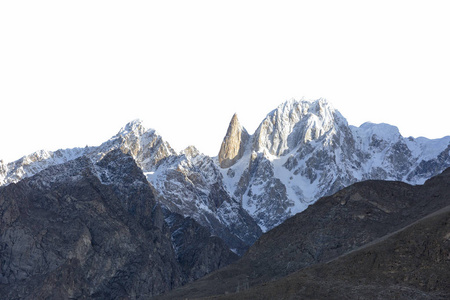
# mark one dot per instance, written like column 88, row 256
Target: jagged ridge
column 301, row 151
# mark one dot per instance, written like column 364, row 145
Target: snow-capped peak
column 382, row 130
column 191, row 152
column 296, row 122
column 136, row 127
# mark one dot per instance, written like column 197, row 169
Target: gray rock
column 85, row 230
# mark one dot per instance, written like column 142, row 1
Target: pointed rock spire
column 233, row 145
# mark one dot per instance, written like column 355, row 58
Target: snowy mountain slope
column 304, row 150
column 192, row 184
column 188, row 183
column 146, row 146
column 36, row 162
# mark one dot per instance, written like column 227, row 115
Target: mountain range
column 203, row 212
column 300, row 152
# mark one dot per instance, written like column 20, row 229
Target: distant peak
column 315, row 106
column 191, row 151
column 235, row 122
column 136, row 126
column 296, row 121
column 383, row 130
column 134, row 123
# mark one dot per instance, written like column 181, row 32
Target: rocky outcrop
column 3, row 171
column 233, row 145
column 147, row 147
column 431, row 167
column 64, row 234
column 94, row 230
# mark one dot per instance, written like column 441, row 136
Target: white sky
column 72, row 73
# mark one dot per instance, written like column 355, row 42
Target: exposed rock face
column 233, row 145
column 147, row 147
column 197, row 251
column 66, row 235
column 364, row 214
column 3, row 171
column 191, row 184
column 85, row 230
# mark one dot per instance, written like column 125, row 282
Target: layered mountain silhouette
column 134, row 201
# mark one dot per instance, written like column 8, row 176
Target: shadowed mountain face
column 341, row 224
column 413, row 263
column 84, row 230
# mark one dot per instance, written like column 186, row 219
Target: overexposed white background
column 72, row 73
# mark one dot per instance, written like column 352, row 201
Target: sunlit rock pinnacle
column 233, row 145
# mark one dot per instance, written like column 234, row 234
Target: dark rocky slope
column 332, row 227
column 197, row 252
column 413, row 263
column 85, row 230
